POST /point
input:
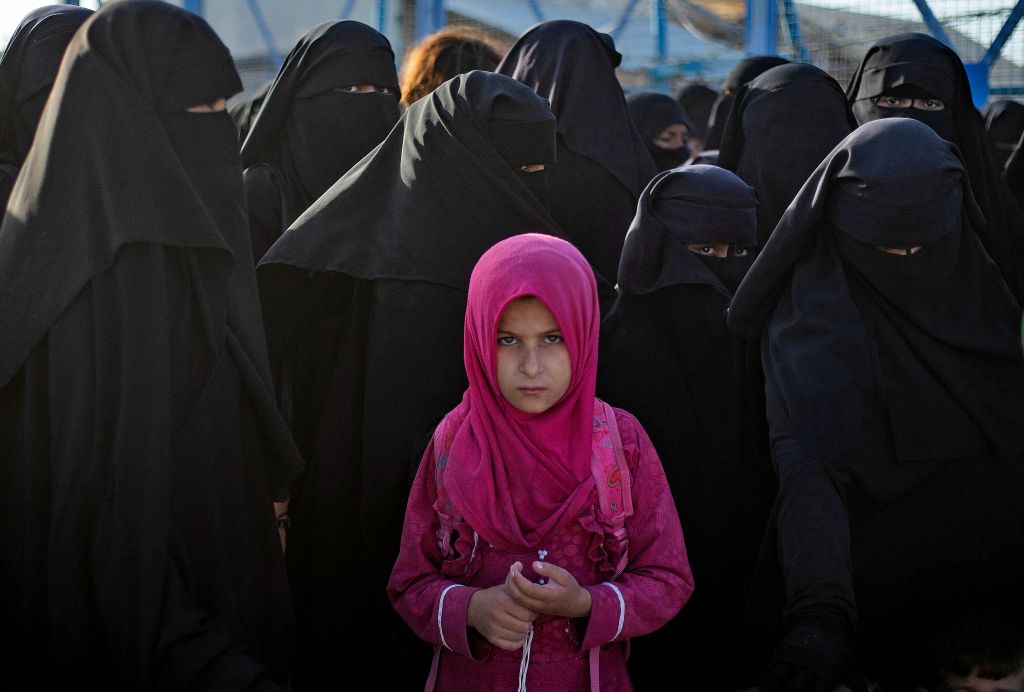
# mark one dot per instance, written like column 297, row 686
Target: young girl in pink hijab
column 540, row 533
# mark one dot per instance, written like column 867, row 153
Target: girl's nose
column 531, row 365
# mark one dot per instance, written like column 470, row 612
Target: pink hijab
column 515, row 476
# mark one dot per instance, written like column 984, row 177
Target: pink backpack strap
column 615, row 496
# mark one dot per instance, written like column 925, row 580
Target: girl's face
column 534, row 369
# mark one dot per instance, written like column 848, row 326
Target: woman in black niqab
column 653, row 113
column 140, row 440
column 782, row 124
column 699, row 392
column 697, row 101
column 27, row 69
column 602, row 164
column 364, row 299
column 315, row 123
column 895, row 388
column 918, row 67
column 744, row 71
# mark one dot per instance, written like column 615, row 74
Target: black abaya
column 667, row 357
column 364, row 298
column 27, row 69
column 140, row 445
column 895, row 388
column 310, row 130
column 1004, row 125
column 782, row 124
column 602, row 163
column 923, row 65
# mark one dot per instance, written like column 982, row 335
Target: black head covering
column 1004, row 123
column 936, row 331
column 244, row 112
column 652, row 113
column 129, row 292
column 782, row 124
column 697, row 101
column 573, row 67
column 309, row 131
column 695, row 204
column 920, row 63
column 27, row 70
column 668, row 358
column 744, row 71
column 470, row 135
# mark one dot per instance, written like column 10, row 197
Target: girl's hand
column 498, row 619
column 560, row 594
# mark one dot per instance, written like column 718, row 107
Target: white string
column 440, row 609
column 622, row 608
column 524, row 664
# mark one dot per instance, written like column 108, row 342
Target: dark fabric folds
column 141, row 443
column 920, row 62
column 697, row 101
column 309, row 131
column 1004, row 125
column 782, row 124
column 27, row 70
column 666, row 353
column 364, row 299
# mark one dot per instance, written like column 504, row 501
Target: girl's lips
column 532, row 390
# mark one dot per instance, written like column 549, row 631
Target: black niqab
column 364, row 299
column 668, row 358
column 244, row 112
column 895, row 386
column 27, row 70
column 744, row 71
column 602, row 163
column 307, row 132
column 1004, row 124
column 920, row 63
column 783, row 123
column 652, row 113
column 140, row 431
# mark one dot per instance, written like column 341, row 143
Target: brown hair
column 441, row 56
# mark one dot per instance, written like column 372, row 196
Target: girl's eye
column 708, row 250
column 506, row 341
column 553, row 339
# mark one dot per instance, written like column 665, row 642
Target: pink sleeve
column 657, row 580
column 435, row 607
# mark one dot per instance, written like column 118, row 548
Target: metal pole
column 382, row 16
column 193, row 6
column 932, row 22
column 266, row 33
column 992, row 54
column 659, row 31
column 760, row 23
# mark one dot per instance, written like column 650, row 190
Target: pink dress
column 438, row 570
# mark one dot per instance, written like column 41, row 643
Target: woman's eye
column 740, row 252
column 553, row 339
column 930, row 104
column 708, row 250
column 384, row 90
column 506, row 341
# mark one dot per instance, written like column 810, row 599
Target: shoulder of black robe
column 27, row 70
column 934, row 337
column 667, row 357
column 922, row 61
column 129, row 301
column 794, row 115
column 573, row 67
column 697, row 101
column 1014, row 172
column 245, row 112
column 1004, row 124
